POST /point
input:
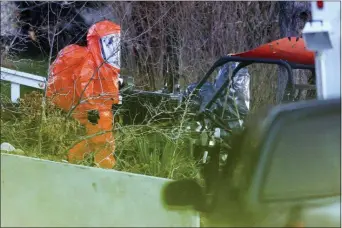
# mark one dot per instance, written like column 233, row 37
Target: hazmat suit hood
column 103, row 41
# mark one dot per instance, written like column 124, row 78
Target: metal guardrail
column 17, row 78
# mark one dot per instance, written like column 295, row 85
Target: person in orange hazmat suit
column 85, row 82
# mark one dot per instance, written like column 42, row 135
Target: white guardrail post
column 17, row 78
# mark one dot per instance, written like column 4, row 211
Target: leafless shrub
column 166, row 41
column 11, row 38
column 163, row 41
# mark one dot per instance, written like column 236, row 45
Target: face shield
column 110, row 48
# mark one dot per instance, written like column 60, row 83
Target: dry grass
column 167, row 40
column 148, row 149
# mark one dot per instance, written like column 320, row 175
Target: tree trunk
column 292, row 17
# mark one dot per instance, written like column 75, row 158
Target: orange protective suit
column 85, row 81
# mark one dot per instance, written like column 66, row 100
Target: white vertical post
column 15, row 92
column 325, row 27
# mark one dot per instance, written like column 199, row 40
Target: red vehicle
column 288, row 52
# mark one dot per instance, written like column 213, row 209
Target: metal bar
column 223, row 60
column 23, row 78
column 302, row 66
column 226, row 59
column 287, row 66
